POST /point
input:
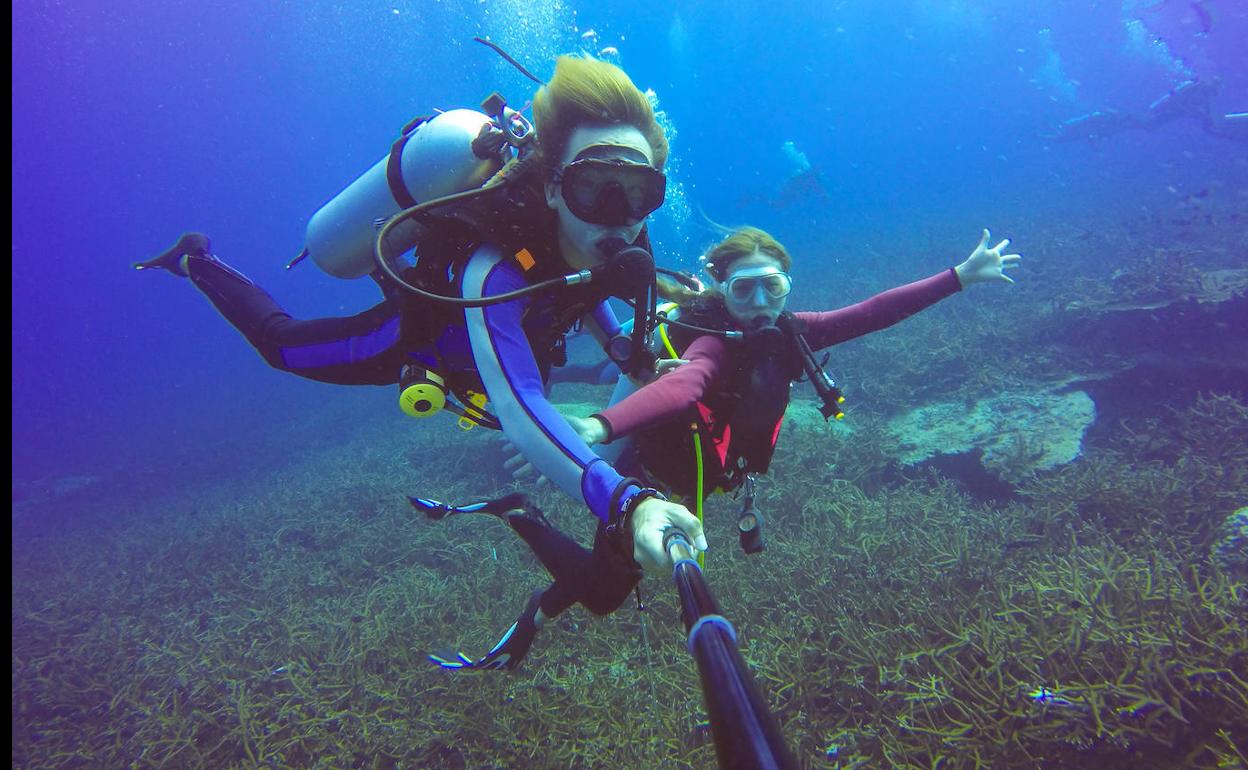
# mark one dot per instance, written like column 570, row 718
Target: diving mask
column 775, row 283
column 611, row 193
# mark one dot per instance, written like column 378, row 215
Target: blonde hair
column 744, row 242
column 587, row 92
column 671, row 290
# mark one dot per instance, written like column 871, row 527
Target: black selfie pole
column 745, row 732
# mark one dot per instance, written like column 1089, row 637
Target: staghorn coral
column 1168, row 473
column 946, row 622
column 905, row 626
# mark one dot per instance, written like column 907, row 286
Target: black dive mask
column 611, row 193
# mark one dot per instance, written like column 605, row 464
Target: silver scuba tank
column 433, row 159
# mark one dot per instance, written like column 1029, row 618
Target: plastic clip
column 469, row 420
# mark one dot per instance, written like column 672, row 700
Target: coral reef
column 1168, row 473
column 1018, row 434
column 1157, row 282
column 283, row 623
column 1230, row 551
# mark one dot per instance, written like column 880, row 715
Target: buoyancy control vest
column 738, row 422
column 510, row 219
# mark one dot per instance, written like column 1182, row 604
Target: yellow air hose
column 697, row 444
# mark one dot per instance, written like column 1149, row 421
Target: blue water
column 133, row 122
column 162, row 471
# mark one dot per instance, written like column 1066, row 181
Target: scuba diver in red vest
column 742, row 351
column 511, row 251
column 745, row 352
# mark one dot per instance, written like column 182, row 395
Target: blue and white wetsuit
column 508, row 370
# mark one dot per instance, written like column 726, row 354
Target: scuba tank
column 434, row 157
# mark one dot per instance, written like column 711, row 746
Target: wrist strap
column 617, row 503
column 622, row 507
column 618, row 530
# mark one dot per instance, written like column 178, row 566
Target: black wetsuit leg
column 600, row 579
column 363, row 349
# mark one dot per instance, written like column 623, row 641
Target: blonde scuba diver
column 512, row 270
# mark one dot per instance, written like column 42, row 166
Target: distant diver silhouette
column 1193, row 98
column 804, row 182
column 1092, row 127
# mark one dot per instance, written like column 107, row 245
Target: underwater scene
column 555, row 384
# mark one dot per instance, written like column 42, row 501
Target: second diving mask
column 741, row 286
column 611, row 193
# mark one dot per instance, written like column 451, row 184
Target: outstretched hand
column 987, row 264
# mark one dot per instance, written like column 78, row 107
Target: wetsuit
column 505, row 350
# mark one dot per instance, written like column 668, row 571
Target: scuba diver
column 1092, row 127
column 502, row 272
column 805, row 182
column 1190, row 99
column 1193, row 98
column 724, row 407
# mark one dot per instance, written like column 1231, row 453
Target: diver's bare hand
column 987, row 264
column 665, row 365
column 520, row 468
column 650, row 522
column 592, row 430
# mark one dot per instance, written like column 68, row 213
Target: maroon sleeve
column 672, row 393
column 880, row 312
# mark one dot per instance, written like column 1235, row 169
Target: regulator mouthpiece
column 609, row 247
